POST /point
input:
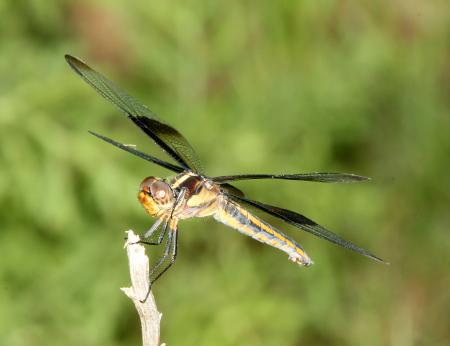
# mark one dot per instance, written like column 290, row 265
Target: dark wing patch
column 306, row 224
column 165, row 135
column 169, row 139
column 230, row 189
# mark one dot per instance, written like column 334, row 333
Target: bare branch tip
column 139, row 267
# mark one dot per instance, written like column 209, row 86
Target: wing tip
column 363, row 178
column 106, row 139
column 75, row 63
column 94, row 133
column 71, row 60
column 376, row 258
column 68, row 57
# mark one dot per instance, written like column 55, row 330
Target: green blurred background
column 256, row 86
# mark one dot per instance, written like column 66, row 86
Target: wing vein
column 305, row 224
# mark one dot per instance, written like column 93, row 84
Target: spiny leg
column 163, row 257
column 171, row 249
column 152, row 231
column 173, row 236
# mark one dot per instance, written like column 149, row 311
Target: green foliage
column 256, row 86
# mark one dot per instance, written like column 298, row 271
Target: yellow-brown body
column 190, row 195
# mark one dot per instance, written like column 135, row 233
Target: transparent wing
column 169, row 139
column 317, row 177
column 140, row 154
column 305, row 224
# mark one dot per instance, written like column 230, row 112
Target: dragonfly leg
column 153, row 229
column 163, row 257
column 173, row 255
column 151, row 232
column 171, row 249
column 160, row 236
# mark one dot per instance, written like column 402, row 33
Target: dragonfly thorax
column 156, row 196
column 200, row 195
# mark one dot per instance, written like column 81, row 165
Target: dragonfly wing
column 305, row 224
column 230, row 189
column 140, row 154
column 169, row 139
column 316, row 177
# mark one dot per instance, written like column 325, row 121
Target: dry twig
column 139, row 269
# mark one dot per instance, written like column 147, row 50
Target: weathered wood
column 139, row 272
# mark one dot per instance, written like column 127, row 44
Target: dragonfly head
column 156, row 196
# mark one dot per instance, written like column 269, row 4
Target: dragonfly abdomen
column 233, row 215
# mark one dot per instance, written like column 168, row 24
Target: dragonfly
column 190, row 193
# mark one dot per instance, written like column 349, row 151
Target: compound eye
column 146, row 184
column 160, row 190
